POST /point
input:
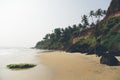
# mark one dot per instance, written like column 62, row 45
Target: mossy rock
column 20, row 66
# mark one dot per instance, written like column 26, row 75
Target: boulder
column 109, row 60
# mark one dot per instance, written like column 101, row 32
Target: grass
column 90, row 41
column 110, row 34
column 20, row 66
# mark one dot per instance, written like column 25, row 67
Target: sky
column 25, row 22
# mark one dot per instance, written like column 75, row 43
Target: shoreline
column 23, row 56
column 76, row 66
column 58, row 65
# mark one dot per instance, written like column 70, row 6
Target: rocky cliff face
column 108, row 34
column 114, row 9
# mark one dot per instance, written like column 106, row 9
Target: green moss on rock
column 20, row 66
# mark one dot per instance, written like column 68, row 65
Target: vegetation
column 93, row 36
column 112, row 38
column 62, row 39
column 20, row 66
column 98, row 36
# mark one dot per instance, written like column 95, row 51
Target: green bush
column 110, row 34
column 20, row 66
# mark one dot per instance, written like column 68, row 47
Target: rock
column 100, row 50
column 109, row 60
column 79, row 48
column 114, row 9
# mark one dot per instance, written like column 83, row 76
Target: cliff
column 104, row 36
column 114, row 9
column 107, row 36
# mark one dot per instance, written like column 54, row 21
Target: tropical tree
column 99, row 14
column 47, row 36
column 66, row 36
column 74, row 28
column 104, row 12
column 91, row 14
column 92, row 24
column 85, row 21
column 80, row 26
column 57, row 32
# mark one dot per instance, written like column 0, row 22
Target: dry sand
column 76, row 66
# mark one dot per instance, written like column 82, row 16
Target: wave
column 9, row 50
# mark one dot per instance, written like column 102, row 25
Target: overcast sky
column 24, row 22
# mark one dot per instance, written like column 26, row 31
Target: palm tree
column 98, row 14
column 104, row 12
column 80, row 26
column 85, row 21
column 57, row 32
column 47, row 36
column 74, row 27
column 92, row 24
column 91, row 14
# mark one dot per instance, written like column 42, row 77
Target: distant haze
column 24, row 22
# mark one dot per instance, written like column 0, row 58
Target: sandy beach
column 57, row 65
column 76, row 66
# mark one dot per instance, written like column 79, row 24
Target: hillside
column 104, row 36
column 114, row 9
column 108, row 36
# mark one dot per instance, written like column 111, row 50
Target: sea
column 18, row 50
column 10, row 55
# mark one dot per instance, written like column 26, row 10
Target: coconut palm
column 91, row 14
column 80, row 26
column 98, row 14
column 85, row 21
column 104, row 12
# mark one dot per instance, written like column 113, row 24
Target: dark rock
column 100, row 50
column 109, row 60
column 78, row 48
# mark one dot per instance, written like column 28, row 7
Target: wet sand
column 40, row 72
column 76, row 66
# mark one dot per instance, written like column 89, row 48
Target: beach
column 56, row 65
column 76, row 66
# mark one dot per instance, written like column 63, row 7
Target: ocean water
column 22, row 55
column 15, row 55
column 9, row 50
